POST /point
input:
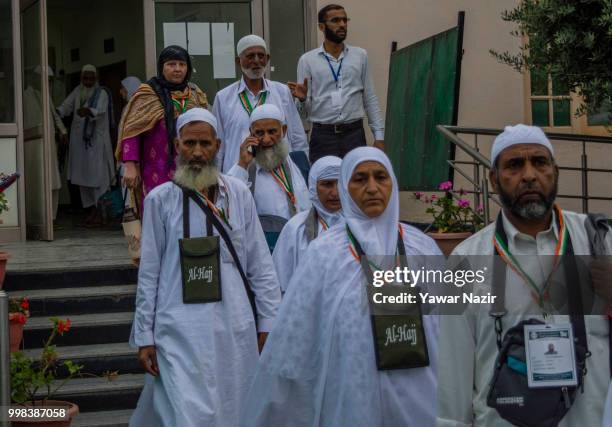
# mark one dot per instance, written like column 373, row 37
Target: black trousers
column 326, row 142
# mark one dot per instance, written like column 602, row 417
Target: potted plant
column 19, row 311
column 30, row 376
column 453, row 218
column 5, row 182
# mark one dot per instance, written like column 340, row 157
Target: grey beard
column 536, row 209
column 195, row 177
column 252, row 74
column 272, row 158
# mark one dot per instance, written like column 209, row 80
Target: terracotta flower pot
column 4, row 256
column 73, row 411
column 15, row 334
column 448, row 241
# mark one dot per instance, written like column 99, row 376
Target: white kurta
column 318, row 367
column 468, row 347
column 233, row 120
column 206, row 352
column 270, row 198
column 607, row 418
column 93, row 166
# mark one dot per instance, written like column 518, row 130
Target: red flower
column 25, row 304
column 63, row 326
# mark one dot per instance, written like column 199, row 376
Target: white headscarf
column 326, row 168
column 519, row 134
column 130, row 84
column 377, row 236
column 195, row 115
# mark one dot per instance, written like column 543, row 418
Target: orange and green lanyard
column 280, row 175
column 355, row 248
column 500, row 241
column 323, row 223
column 221, row 213
column 181, row 104
column 246, row 104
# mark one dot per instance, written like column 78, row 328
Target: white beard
column 195, row 177
column 253, row 74
column 272, row 158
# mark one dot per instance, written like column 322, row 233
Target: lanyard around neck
column 361, row 257
column 246, row 104
column 564, row 245
column 331, row 67
column 280, row 175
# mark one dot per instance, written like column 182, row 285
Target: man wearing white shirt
column 335, row 91
column 235, row 103
column 525, row 175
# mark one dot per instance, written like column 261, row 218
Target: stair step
column 64, row 278
column 81, row 300
column 99, row 328
column 97, row 359
column 120, row 418
column 94, row 394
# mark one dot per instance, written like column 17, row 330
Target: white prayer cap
column 326, row 168
column 88, row 68
column 195, row 115
column 267, row 111
column 38, row 70
column 377, row 236
column 519, row 134
column 250, row 41
column 131, row 85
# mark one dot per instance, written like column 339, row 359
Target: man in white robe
column 202, row 356
column 307, row 225
column 525, row 175
column 234, row 104
column 90, row 157
column 319, row 366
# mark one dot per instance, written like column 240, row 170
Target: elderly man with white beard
column 235, row 103
column 207, row 290
column 277, row 185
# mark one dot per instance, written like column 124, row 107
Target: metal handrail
column 480, row 161
column 5, row 379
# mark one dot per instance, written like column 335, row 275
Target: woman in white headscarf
column 307, row 225
column 319, row 367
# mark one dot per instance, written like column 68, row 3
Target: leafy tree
column 569, row 39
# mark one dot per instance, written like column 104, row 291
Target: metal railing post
column 585, row 179
column 5, row 372
column 476, row 175
column 485, row 196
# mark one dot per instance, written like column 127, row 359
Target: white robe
column 468, row 346
column 270, row 198
column 206, row 352
column 91, row 167
column 318, row 367
column 607, row 418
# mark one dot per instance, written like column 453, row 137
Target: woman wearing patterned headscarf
column 148, row 123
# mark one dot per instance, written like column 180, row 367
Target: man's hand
column 380, row 144
column 84, row 111
column 148, row 359
column 299, row 91
column 261, row 340
column 601, row 274
column 131, row 175
column 246, row 157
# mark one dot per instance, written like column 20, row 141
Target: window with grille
column 550, row 105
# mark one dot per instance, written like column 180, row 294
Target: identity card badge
column 550, row 354
column 336, row 98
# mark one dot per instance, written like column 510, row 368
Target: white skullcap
column 267, row 111
column 195, row 115
column 38, row 70
column 250, row 41
column 519, row 134
column 89, row 68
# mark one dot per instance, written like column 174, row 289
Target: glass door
column 36, row 114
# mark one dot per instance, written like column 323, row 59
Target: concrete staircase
column 100, row 305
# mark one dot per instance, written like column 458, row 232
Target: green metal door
column 422, row 94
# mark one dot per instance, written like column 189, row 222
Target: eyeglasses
column 338, row 19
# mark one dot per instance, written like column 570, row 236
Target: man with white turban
column 235, row 103
column 525, row 175
column 200, row 348
column 319, row 367
column 90, row 156
column 307, row 225
column 276, row 182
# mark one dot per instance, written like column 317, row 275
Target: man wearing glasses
column 335, row 91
